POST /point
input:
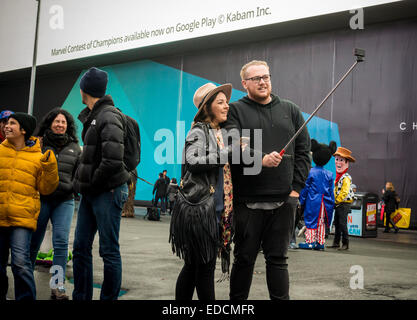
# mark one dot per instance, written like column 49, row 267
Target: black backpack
column 131, row 157
column 153, row 214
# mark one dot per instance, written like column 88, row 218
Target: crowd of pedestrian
column 215, row 203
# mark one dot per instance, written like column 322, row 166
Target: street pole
column 33, row 75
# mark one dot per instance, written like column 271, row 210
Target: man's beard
column 261, row 96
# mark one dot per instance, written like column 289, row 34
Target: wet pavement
column 382, row 268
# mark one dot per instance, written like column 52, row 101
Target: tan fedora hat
column 344, row 153
column 205, row 92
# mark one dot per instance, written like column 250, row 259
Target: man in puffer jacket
column 101, row 178
column 25, row 173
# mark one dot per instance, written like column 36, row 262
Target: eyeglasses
column 265, row 78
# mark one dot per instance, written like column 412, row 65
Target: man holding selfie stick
column 265, row 204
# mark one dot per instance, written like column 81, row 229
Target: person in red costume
column 343, row 194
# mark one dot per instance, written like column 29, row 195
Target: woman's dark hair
column 173, row 180
column 50, row 117
column 207, row 112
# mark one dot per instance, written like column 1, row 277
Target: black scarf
column 57, row 141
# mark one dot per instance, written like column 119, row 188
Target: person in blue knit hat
column 101, row 179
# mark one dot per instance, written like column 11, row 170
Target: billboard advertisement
column 78, row 29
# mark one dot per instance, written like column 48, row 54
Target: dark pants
column 388, row 220
column 199, row 277
column 18, row 240
column 340, row 223
column 270, row 229
column 171, row 205
column 163, row 203
column 102, row 213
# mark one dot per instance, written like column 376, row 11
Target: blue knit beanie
column 94, row 82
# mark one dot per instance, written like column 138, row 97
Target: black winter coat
column 390, row 200
column 172, row 191
column 101, row 166
column 194, row 227
column 68, row 158
column 160, row 188
column 202, row 159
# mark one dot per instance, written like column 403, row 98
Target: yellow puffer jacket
column 23, row 175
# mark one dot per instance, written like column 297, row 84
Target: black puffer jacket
column 101, row 167
column 390, row 198
column 160, row 188
column 68, row 158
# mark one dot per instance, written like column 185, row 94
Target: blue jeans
column 163, row 203
column 60, row 214
column 18, row 240
column 103, row 213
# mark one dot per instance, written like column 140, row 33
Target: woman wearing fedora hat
column 343, row 194
column 201, row 218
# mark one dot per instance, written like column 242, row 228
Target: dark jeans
column 102, row 213
column 60, row 214
column 199, row 277
column 163, row 203
column 18, row 240
column 171, row 205
column 270, row 229
column 340, row 222
column 388, row 220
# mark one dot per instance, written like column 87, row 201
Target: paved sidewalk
column 150, row 270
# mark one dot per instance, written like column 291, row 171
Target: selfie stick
column 360, row 54
column 145, row 181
